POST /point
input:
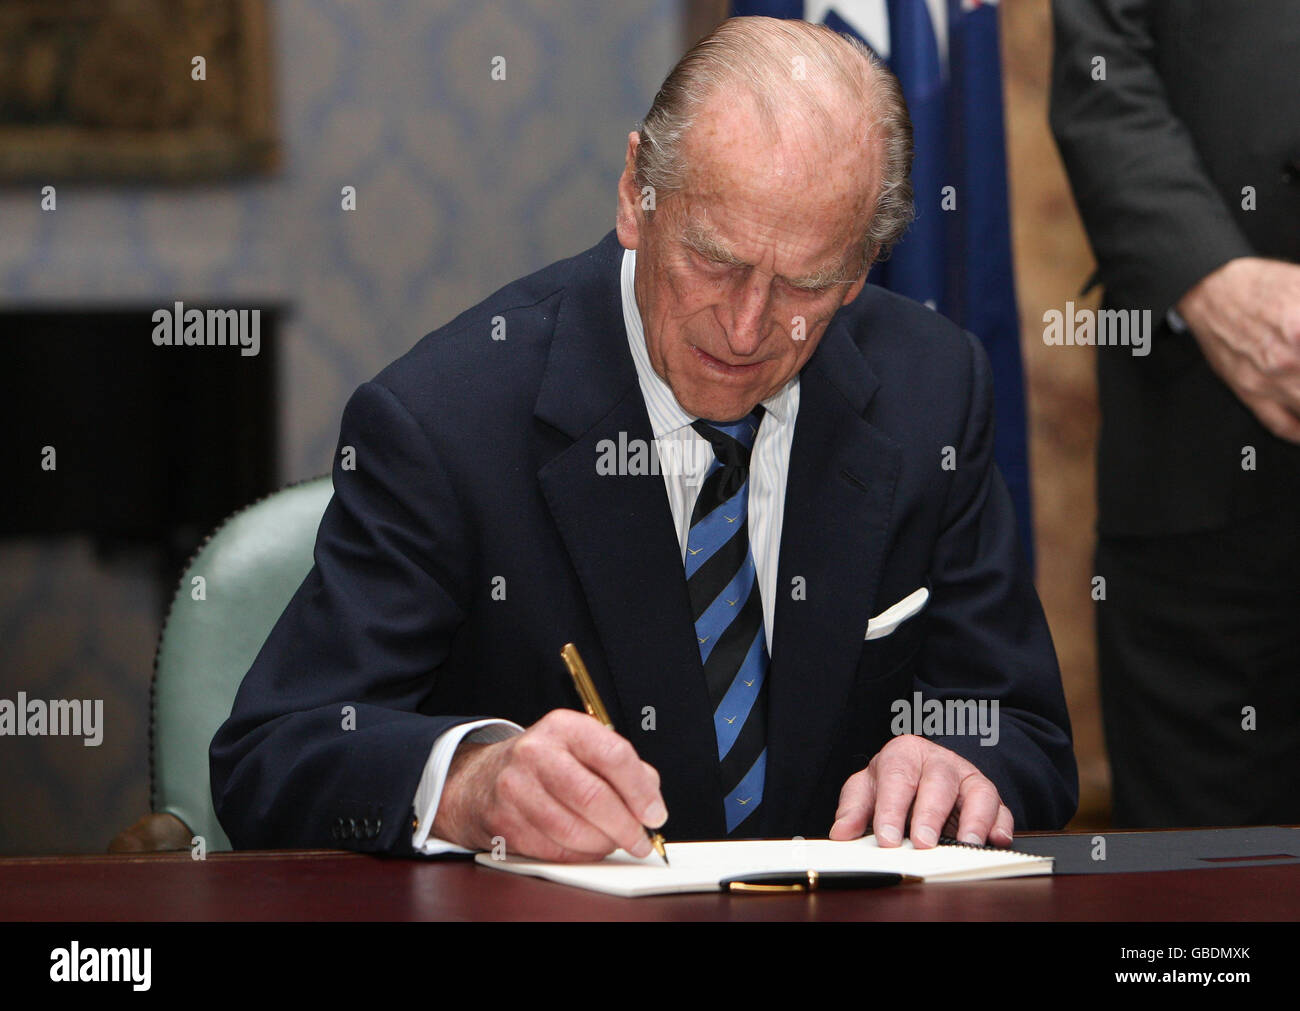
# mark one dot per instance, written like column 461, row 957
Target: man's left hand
column 945, row 793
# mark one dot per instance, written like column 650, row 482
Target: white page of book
column 700, row 866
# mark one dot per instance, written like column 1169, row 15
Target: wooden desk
column 339, row 886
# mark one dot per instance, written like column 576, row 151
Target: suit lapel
column 838, row 503
column 620, row 537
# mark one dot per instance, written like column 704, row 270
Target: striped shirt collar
column 666, row 415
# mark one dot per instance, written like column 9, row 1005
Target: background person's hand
column 1246, row 318
column 566, row 789
column 945, row 794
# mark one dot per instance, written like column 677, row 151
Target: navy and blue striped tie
column 728, row 613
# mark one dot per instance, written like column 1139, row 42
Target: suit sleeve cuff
column 429, row 792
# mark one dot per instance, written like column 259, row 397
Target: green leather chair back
column 250, row 567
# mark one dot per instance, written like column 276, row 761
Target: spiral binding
column 947, row 840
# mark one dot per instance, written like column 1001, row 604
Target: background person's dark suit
column 476, row 459
column 1201, row 557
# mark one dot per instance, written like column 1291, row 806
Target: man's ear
column 629, row 218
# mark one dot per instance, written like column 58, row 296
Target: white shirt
column 692, row 455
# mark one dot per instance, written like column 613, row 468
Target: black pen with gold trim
column 596, row 709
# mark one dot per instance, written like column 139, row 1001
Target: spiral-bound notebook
column 703, row 866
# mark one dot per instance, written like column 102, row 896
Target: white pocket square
column 890, row 618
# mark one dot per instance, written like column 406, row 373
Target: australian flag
column 956, row 258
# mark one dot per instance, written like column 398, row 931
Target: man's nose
column 749, row 317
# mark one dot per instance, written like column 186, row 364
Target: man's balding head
column 770, row 171
column 796, row 76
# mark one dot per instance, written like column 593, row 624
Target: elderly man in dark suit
column 758, row 495
column 1179, row 123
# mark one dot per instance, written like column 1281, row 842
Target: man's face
column 739, row 272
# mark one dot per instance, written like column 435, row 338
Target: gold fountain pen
column 596, row 709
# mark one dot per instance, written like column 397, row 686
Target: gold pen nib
column 657, row 841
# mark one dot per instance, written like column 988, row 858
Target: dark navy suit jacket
column 475, row 470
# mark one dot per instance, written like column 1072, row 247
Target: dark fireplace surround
column 153, row 445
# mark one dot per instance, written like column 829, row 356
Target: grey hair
column 757, row 53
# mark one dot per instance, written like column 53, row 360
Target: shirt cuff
column 429, row 792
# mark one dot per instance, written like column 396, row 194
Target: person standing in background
column 1179, row 125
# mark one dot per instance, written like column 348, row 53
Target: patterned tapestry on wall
column 166, row 90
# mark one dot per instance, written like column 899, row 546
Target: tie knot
column 732, row 440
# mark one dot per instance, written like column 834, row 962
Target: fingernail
column 642, row 848
column 890, row 834
column 925, row 835
column 972, row 838
column 834, row 827
column 656, row 814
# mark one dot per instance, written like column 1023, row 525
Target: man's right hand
column 566, row 789
column 1246, row 318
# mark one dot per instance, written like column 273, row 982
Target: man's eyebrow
column 826, row 277
column 708, row 245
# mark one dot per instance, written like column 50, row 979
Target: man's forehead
column 797, row 173
column 698, row 229
column 730, row 131
column 806, row 250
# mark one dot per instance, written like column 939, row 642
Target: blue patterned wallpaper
column 462, row 184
